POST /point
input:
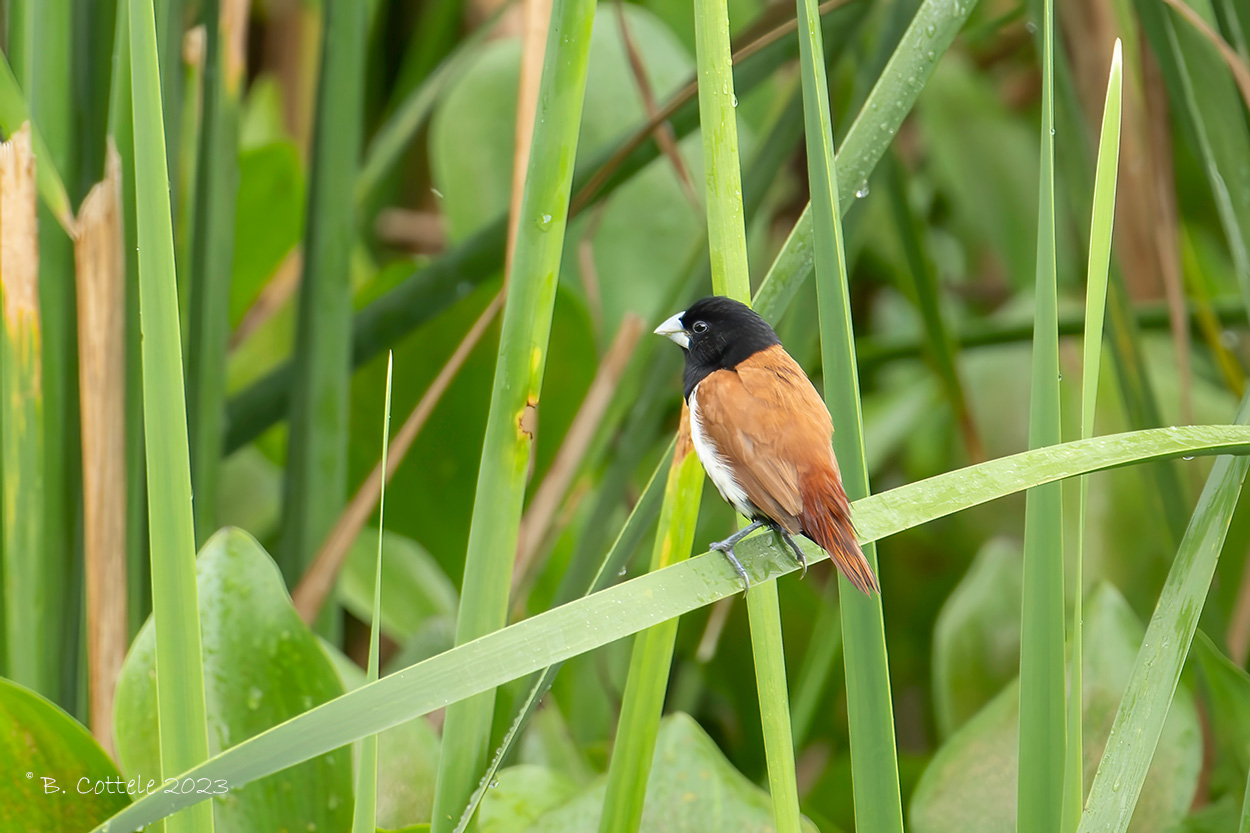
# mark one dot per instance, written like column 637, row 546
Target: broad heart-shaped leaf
column 414, row 587
column 976, row 640
column 261, row 666
column 692, row 788
column 1228, row 696
column 608, row 615
column 971, row 783
column 520, row 796
column 56, row 776
column 407, row 767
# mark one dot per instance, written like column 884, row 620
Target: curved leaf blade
column 627, row 608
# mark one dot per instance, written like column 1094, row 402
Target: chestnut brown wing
column 770, row 426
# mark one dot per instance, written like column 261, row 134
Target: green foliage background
column 316, row 223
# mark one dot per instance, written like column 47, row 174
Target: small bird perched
column 763, row 434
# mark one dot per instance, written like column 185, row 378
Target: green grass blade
column 212, row 256
column 435, row 31
column 316, row 470
column 583, row 625
column 651, row 660
column 726, row 230
column 28, row 597
column 50, row 93
column 13, row 114
column 169, row 32
column 1139, row 720
column 768, row 652
column 1210, row 113
column 179, row 680
column 627, row 540
column 1095, row 308
column 874, row 762
column 364, row 819
column 1042, row 727
column 727, row 250
column 121, row 128
column 818, row 665
column 877, row 350
column 508, row 443
column 923, row 292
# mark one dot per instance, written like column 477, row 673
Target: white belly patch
column 714, row 464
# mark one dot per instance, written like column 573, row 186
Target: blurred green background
column 427, row 152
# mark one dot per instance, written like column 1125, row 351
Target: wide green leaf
column 1228, row 700
column 268, row 220
column 692, row 788
column 58, row 776
column 976, row 639
column 971, row 782
column 262, row 666
column 1139, row 722
column 415, row 589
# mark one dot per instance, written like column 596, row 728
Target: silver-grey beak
column 672, row 329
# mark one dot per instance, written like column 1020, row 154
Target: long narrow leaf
column 13, row 114
column 212, row 255
column 179, row 675
column 1210, row 112
column 1095, row 309
column 1144, row 707
column 316, row 468
column 27, row 599
column 364, row 819
column 100, row 277
column 508, row 445
column 874, row 762
column 727, row 249
column 589, row 623
column 1042, row 746
column 651, row 660
column 930, row 34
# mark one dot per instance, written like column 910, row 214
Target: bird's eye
column 699, row 327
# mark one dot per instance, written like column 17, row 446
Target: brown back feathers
column 772, row 429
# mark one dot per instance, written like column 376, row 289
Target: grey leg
column 798, row 551
column 727, row 547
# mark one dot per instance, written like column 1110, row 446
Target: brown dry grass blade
column 533, row 47
column 664, row 137
column 100, row 266
column 1241, row 74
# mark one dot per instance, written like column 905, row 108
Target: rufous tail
column 826, row 520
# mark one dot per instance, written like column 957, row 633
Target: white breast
column 714, row 464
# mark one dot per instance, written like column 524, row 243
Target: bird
column 764, row 435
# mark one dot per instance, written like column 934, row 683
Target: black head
column 717, row 333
